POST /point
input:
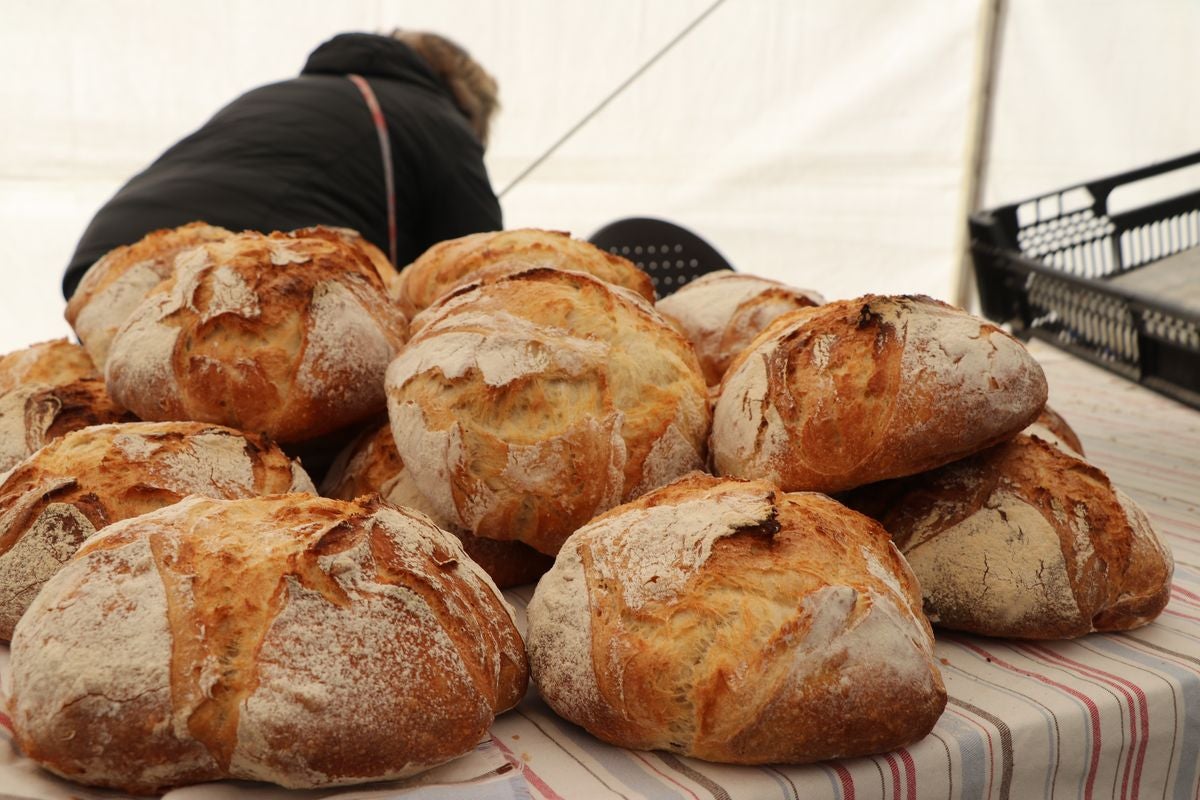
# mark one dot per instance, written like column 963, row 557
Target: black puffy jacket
column 306, row 152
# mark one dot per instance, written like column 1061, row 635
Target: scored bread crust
column 858, row 391
column 120, row 279
column 51, row 502
column 50, row 363
column 1030, row 541
column 528, row 404
column 726, row 620
column 293, row 639
column 722, row 312
column 371, row 465
column 447, row 265
column 383, row 266
column 283, row 335
column 33, row 415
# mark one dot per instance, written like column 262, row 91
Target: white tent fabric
column 824, row 144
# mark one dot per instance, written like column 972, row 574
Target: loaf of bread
column 47, row 363
column 293, row 639
column 726, row 620
column 35, row 414
column 1028, row 540
column 857, row 391
column 722, row 312
column 371, row 465
column 62, row 494
column 119, row 280
column 379, row 260
column 456, row 261
column 287, row 335
column 877, row 500
column 528, row 404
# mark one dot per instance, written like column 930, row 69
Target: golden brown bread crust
column 114, row 286
column 726, row 620
column 33, row 415
column 1026, row 540
column 857, row 391
column 294, row 639
column 722, row 312
column 50, row 363
column 252, row 332
column 528, row 404
column 876, row 500
column 62, row 494
column 451, row 263
column 371, row 465
column 379, row 260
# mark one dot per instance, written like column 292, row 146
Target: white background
column 824, row 144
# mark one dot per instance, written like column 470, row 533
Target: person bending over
column 384, row 134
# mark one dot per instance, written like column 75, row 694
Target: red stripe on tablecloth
column 895, row 768
column 1089, row 704
column 1139, row 709
column 847, row 780
column 661, row 774
column 1172, row 612
column 528, row 773
column 1192, row 597
column 5, row 722
column 911, row 768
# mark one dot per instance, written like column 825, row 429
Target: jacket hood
column 370, row 54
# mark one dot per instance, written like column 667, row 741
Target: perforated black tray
column 1048, row 267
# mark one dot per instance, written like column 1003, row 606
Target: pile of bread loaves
column 679, row 479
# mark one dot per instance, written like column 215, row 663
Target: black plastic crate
column 1049, row 266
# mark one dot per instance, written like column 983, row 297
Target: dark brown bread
column 857, row 391
column 728, row 621
column 1027, row 540
column 293, row 639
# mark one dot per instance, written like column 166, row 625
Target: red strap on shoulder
column 385, row 149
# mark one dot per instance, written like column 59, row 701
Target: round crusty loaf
column 857, row 391
column 283, row 335
column 722, row 312
column 119, row 280
column 1027, row 540
column 725, row 620
column 371, row 465
column 293, row 639
column 48, row 363
column 528, row 404
column 62, row 494
column 451, row 263
column 35, row 414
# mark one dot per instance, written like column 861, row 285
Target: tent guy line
column 537, row 162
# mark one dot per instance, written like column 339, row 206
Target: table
column 1105, row 716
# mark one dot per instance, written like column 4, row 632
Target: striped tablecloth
column 1105, row 716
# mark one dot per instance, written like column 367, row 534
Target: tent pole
column 991, row 28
